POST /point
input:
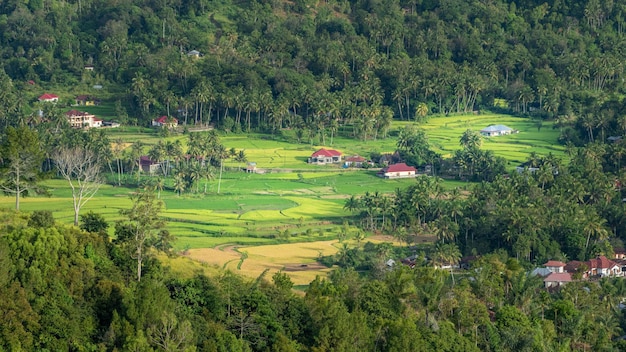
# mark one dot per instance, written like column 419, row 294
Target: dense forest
column 322, row 69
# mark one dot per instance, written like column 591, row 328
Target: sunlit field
column 291, row 213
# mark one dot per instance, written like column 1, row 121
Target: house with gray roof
column 497, row 130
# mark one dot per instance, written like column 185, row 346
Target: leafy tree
column 21, row 160
column 93, row 222
column 142, row 227
column 41, row 219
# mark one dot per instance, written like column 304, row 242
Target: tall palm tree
column 221, row 154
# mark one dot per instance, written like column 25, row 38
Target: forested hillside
column 321, row 69
column 320, row 65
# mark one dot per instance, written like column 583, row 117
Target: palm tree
column 221, row 153
column 179, row 183
column 160, row 183
column 470, row 139
column 241, row 157
column 447, row 253
column 594, row 226
column 421, row 111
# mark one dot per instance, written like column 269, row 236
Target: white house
column 325, row 156
column 557, row 279
column 555, row 266
column 496, row 130
column 81, row 119
column 49, row 98
column 165, row 121
column 399, row 170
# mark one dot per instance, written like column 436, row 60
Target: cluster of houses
column 557, row 273
column 85, row 120
column 80, row 119
column 330, row 156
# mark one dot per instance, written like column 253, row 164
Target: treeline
column 321, row 68
column 550, row 210
column 63, row 288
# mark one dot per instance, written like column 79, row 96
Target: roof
column 84, row 97
column 163, row 119
column 355, row 159
column 77, row 113
column 554, row 263
column 399, row 167
column 193, row 53
column 48, row 96
column 558, row 277
column 572, row 266
column 541, row 272
column 496, row 128
column 601, row 262
column 145, row 160
column 326, row 152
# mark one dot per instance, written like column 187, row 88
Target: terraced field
column 254, row 211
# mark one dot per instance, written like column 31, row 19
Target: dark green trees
column 21, row 161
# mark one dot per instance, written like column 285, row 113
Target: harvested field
column 298, row 260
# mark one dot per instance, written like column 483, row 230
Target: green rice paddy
column 304, row 200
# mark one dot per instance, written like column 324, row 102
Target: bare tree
column 171, row 334
column 81, row 168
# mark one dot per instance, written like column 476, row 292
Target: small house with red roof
column 165, row 121
column 325, row 156
column 49, row 98
column 557, row 279
column 555, row 266
column 81, row 119
column 399, row 170
column 354, row 161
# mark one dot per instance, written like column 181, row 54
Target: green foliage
column 93, row 222
column 41, row 219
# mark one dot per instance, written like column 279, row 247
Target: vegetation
column 269, row 82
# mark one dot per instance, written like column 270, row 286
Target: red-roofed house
column 399, row 170
column 557, row 279
column 165, row 121
column 325, row 156
column 355, row 160
column 81, row 119
column 50, row 98
column 555, row 266
column 604, row 267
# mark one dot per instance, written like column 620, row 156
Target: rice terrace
column 286, row 216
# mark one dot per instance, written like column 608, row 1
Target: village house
column 603, row 267
column 251, row 167
column 325, row 156
column 354, row 161
column 81, row 119
column 557, row 279
column 193, row 54
column 558, row 273
column 400, row 170
column 165, row 121
column 49, row 98
column 497, row 130
column 148, row 166
column 555, row 266
column 86, row 100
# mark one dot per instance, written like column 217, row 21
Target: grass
column 293, row 196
